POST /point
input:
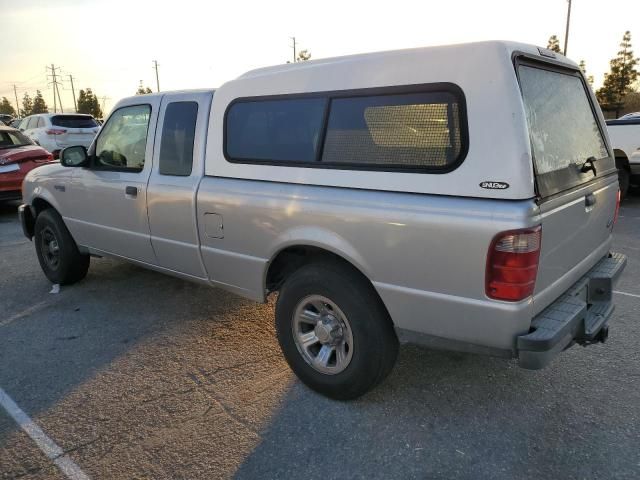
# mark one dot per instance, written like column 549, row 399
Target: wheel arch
column 622, row 160
column 291, row 257
column 39, row 204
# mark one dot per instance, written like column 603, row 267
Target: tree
column 303, row 56
column 27, row 105
column 583, row 67
column 39, row 105
column 6, row 107
column 554, row 44
column 88, row 103
column 143, row 90
column 620, row 79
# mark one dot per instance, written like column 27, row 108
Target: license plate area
column 599, row 290
column 13, row 167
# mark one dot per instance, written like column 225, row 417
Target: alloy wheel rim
column 50, row 248
column 322, row 334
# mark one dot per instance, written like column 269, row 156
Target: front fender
column 42, row 183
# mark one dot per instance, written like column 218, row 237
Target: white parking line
column 627, row 294
column 26, row 312
column 44, row 443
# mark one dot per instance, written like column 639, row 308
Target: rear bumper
column 8, row 195
column 580, row 315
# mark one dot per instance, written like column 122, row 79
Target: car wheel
column 334, row 331
column 58, row 254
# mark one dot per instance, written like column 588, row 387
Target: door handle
column 590, row 200
column 132, row 191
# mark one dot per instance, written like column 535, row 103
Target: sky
column 109, row 46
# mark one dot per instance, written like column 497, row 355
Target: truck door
column 109, row 197
column 178, row 166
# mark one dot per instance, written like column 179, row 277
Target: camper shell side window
column 417, row 128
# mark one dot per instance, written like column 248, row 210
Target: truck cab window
column 123, row 140
column 178, row 133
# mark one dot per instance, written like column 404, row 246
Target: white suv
column 55, row 131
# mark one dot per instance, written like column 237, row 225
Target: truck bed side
column 416, row 249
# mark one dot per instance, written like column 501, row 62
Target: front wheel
column 334, row 331
column 58, row 254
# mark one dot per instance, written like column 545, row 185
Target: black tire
column 624, row 179
column 64, row 265
column 375, row 345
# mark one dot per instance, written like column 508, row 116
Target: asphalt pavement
column 134, row 374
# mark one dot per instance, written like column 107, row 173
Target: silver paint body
column 424, row 249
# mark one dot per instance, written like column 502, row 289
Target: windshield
column 11, row 139
column 73, row 121
column 563, row 129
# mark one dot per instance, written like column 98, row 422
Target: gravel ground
column 139, row 375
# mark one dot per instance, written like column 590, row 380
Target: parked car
column 18, row 156
column 5, row 118
column 460, row 197
column 55, row 131
column 625, row 139
column 630, row 116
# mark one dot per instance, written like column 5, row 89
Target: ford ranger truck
column 459, row 197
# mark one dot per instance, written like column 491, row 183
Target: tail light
column 512, row 264
column 615, row 215
column 55, row 131
column 47, row 158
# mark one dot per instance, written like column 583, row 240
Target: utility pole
column 17, row 104
column 104, row 98
column 566, row 33
column 155, row 66
column 294, row 49
column 75, row 105
column 55, row 84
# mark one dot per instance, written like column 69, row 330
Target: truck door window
column 123, row 140
column 178, row 134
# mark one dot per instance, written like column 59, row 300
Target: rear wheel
column 334, row 330
column 58, row 254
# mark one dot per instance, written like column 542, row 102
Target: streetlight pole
column 566, row 33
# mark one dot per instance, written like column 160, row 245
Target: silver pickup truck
column 459, row 197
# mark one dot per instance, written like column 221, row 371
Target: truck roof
column 173, row 92
column 461, row 51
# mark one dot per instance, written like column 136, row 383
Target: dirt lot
column 138, row 375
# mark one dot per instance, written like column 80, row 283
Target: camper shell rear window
column 413, row 128
column 565, row 133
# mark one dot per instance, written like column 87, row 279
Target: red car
column 18, row 156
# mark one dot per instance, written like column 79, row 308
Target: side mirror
column 75, row 156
